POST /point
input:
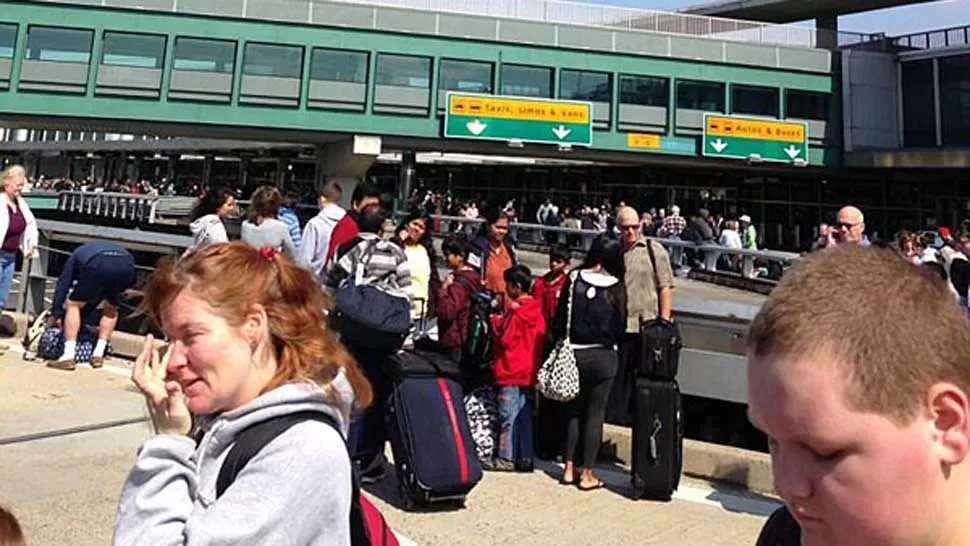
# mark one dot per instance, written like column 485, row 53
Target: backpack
column 476, row 353
column 367, row 524
column 368, row 316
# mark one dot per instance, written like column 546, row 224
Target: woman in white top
column 414, row 236
column 18, row 226
column 208, row 215
column 262, row 228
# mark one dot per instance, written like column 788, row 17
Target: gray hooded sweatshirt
column 295, row 492
column 207, row 230
column 316, row 239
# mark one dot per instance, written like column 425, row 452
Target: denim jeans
column 515, row 422
column 8, row 265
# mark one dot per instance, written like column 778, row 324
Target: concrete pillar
column 207, row 165
column 407, row 176
column 347, row 162
column 170, row 170
column 282, row 168
column 244, row 165
column 827, row 32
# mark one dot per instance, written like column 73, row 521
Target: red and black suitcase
column 658, row 439
column 434, row 454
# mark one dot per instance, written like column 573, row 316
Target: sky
column 894, row 22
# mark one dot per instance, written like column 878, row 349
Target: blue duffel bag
column 367, row 316
column 51, row 344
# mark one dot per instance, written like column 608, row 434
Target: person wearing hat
column 749, row 236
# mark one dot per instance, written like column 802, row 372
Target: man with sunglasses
column 850, row 227
column 649, row 294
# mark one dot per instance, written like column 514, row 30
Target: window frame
column 491, row 71
column 757, row 88
column 666, row 85
column 610, row 81
column 299, row 47
column 723, row 86
column 367, row 64
column 551, row 82
column 16, row 36
column 175, row 59
column 161, row 60
column 27, row 48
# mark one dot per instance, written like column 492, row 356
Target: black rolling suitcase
column 658, row 439
column 434, row 454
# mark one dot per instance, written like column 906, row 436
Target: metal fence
column 543, row 11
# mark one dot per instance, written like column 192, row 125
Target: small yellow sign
column 518, row 109
column 778, row 131
column 642, row 140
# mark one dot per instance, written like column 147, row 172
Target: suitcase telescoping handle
column 654, row 451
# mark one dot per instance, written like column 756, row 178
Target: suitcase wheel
column 406, row 499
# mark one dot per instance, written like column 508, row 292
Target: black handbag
column 660, row 341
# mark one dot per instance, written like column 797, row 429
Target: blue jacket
column 81, row 256
column 479, row 253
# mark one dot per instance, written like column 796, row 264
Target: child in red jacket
column 519, row 337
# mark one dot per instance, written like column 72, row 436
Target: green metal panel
column 314, row 121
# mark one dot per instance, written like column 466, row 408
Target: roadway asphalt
column 65, row 488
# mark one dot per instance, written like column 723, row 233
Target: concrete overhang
column 790, row 11
column 953, row 158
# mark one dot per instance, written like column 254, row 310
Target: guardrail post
column 710, row 259
column 747, row 267
column 34, row 279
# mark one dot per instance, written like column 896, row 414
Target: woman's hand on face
column 166, row 402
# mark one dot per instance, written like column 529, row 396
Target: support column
column 407, row 177
column 244, row 165
column 347, row 162
column 282, row 165
column 170, row 170
column 827, row 32
column 207, row 165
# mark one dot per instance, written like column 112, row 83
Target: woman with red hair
column 247, row 343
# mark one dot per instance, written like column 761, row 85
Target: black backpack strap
column 250, row 441
column 656, row 274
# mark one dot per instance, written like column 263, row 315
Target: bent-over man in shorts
column 96, row 274
column 859, row 374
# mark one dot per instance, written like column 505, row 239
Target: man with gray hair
column 649, row 294
column 850, row 227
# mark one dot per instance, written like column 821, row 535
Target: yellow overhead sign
column 778, row 131
column 642, row 140
column 518, row 109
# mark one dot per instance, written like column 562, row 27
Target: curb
column 750, row 470
column 123, row 344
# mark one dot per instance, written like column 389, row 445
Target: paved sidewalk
column 65, row 488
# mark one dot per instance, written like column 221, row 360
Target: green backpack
column 476, row 353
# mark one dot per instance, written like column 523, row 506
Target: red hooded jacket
column 518, row 345
column 453, row 309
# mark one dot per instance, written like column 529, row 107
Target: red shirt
column 18, row 224
column 345, row 230
column 547, row 292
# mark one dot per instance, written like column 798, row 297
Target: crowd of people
column 857, row 368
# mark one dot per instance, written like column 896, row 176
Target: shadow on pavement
column 735, row 499
column 387, row 490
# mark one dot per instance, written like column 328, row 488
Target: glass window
column 63, row 45
column 644, row 91
column 919, row 116
column 955, row 99
column 807, row 105
column 337, row 65
column 526, row 81
column 273, row 60
column 205, row 55
column 697, row 95
column 467, row 76
column 138, row 50
column 759, row 101
column 404, row 71
column 8, row 40
column 581, row 85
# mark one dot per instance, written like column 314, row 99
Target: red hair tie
column 268, row 253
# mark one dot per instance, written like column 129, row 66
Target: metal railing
column 934, row 38
column 708, row 257
column 543, row 11
column 116, row 206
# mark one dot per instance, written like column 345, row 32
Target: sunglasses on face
column 845, row 225
column 634, row 227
